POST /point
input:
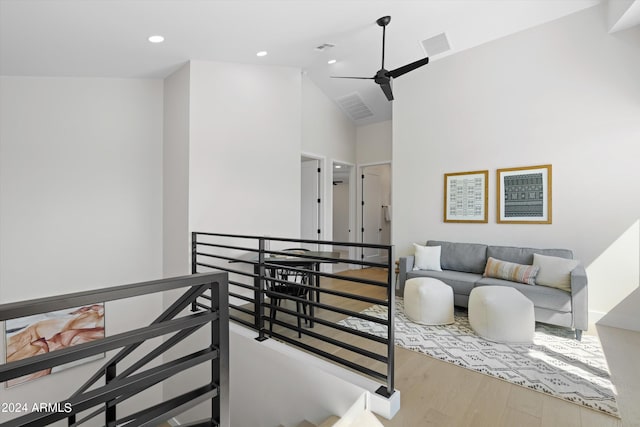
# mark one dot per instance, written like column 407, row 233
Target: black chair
column 285, row 290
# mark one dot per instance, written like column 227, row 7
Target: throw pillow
column 511, row 271
column 427, row 257
column 554, row 272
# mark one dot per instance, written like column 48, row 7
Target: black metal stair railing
column 118, row 387
column 249, row 259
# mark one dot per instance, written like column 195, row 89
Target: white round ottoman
column 501, row 314
column 428, row 301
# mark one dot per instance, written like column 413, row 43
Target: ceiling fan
column 383, row 77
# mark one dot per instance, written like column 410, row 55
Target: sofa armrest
column 579, row 298
column 406, row 264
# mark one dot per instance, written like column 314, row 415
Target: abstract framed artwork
column 29, row 336
column 524, row 195
column 465, row 196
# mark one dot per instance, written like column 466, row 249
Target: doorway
column 375, row 212
column 310, row 201
column 343, row 207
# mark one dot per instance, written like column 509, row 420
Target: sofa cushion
column 462, row 283
column 427, row 257
column 524, row 255
column 511, row 271
column 554, row 271
column 465, row 257
column 541, row 296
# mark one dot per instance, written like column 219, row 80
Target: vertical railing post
column 259, row 293
column 194, row 249
column 220, row 365
column 215, row 344
column 194, row 263
column 110, row 416
column 391, row 294
column 391, row 315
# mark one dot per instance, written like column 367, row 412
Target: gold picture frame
column 465, row 196
column 523, row 195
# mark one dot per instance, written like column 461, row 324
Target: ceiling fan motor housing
column 382, row 77
column 384, row 21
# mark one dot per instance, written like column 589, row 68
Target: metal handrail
column 133, row 380
column 287, row 239
column 254, row 305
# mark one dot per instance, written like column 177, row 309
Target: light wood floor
column 436, row 393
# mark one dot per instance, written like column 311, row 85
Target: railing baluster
column 110, row 416
column 260, row 291
column 391, row 314
column 215, row 363
column 220, row 302
column 194, row 249
column 194, row 264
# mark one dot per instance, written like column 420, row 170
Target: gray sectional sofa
column 463, row 264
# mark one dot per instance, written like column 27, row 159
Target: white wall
column 175, row 169
column 244, row 173
column 329, row 135
column 80, row 200
column 290, row 385
column 281, row 389
column 373, row 142
column 565, row 93
column 325, row 128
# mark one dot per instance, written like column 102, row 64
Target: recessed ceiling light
column 262, row 53
column 338, row 166
column 331, row 61
column 156, row 39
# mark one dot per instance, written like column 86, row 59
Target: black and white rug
column 556, row 363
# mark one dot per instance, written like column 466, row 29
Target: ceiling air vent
column 436, row 44
column 354, row 106
column 324, row 46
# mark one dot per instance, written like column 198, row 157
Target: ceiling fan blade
column 409, row 67
column 347, row 77
column 386, row 88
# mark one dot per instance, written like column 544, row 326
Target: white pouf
column 428, row 301
column 501, row 314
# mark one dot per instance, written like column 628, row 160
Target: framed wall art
column 465, row 196
column 29, row 336
column 524, row 195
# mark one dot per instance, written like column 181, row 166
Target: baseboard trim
column 595, row 317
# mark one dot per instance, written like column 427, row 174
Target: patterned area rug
column 556, row 363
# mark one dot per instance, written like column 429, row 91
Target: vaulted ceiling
column 108, row 38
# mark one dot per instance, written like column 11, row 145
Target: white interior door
column 343, row 196
column 341, row 228
column 371, row 212
column 310, row 201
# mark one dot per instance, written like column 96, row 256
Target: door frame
column 322, row 217
column 359, row 218
column 353, row 252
